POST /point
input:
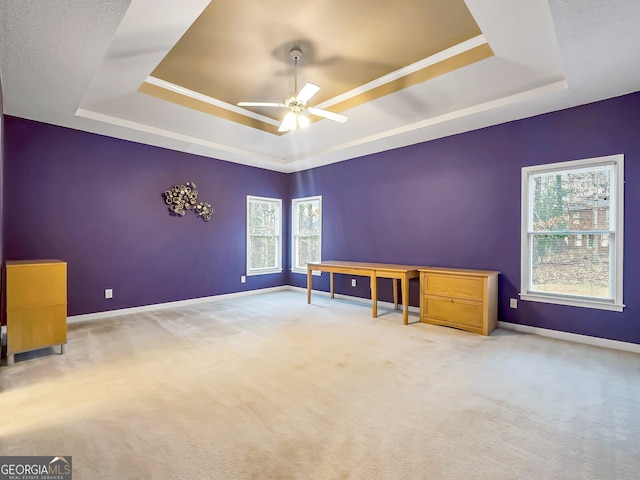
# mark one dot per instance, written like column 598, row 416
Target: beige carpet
column 268, row 387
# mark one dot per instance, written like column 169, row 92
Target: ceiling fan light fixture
column 297, row 104
column 303, row 121
column 290, row 122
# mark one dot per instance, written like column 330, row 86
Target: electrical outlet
column 108, row 293
column 353, row 282
column 513, row 303
column 243, row 279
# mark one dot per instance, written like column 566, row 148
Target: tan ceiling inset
column 238, row 50
column 205, row 107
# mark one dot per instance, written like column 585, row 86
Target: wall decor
column 184, row 197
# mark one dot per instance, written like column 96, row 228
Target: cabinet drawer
column 464, row 312
column 36, row 328
column 36, row 285
column 452, row 286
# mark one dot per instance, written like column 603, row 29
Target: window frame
column 616, row 210
column 295, row 203
column 278, row 267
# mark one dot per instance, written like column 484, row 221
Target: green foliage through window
column 263, row 235
column 570, row 230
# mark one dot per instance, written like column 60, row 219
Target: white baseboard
column 159, row 306
column 194, row 301
column 572, row 337
column 544, row 332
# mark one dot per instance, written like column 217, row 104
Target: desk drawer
column 452, row 310
column 350, row 271
column 452, row 286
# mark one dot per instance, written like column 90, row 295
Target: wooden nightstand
column 36, row 306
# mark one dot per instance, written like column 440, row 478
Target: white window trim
column 264, row 271
column 294, row 220
column 617, row 196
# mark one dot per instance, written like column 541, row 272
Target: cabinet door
column 36, row 328
column 463, row 312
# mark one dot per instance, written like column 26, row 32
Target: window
column 264, row 232
column 562, row 260
column 307, row 232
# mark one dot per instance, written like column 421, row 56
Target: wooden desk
column 404, row 273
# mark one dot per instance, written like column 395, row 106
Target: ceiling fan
column 297, row 104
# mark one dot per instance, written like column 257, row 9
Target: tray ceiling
column 170, row 73
column 239, row 49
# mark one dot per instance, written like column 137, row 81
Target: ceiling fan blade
column 308, row 91
column 336, row 117
column 288, row 123
column 260, row 104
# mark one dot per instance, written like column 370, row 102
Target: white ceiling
column 79, row 64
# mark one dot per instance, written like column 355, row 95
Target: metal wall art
column 183, row 197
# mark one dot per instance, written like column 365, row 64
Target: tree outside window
column 572, row 233
column 264, row 227
column 307, row 232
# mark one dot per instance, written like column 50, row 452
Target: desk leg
column 331, row 283
column 405, row 300
column 374, row 296
column 309, row 280
column 395, row 293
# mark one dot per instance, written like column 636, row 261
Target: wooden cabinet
column 465, row 299
column 36, row 305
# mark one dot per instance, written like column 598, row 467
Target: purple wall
column 455, row 202
column 96, row 202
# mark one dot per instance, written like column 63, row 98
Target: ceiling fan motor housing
column 295, row 105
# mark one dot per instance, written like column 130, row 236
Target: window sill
column 573, row 302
